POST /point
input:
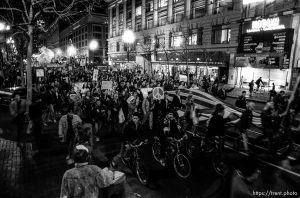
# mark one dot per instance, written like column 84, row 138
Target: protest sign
column 182, row 78
column 106, row 85
column 145, row 91
column 78, row 86
column 158, row 93
column 40, row 73
column 95, row 75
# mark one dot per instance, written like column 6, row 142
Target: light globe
column 128, row 36
column 93, row 45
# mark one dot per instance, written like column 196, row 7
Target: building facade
column 79, row 35
column 176, row 36
column 206, row 37
column 269, row 43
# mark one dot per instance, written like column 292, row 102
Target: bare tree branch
column 25, row 8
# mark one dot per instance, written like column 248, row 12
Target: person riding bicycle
column 171, row 129
column 216, row 126
column 133, row 133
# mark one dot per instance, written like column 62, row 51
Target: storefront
column 216, row 65
column 265, row 51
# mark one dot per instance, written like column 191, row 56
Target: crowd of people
column 129, row 109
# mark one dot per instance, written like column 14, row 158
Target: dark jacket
column 36, row 111
column 241, row 102
column 176, row 103
column 267, row 119
column 246, row 119
column 222, row 93
column 132, row 133
column 216, row 126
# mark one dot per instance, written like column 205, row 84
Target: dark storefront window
column 220, row 34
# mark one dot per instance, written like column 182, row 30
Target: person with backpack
column 241, row 102
column 251, row 87
column 258, row 82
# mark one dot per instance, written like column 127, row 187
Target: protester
column 258, row 83
column 67, row 129
column 222, row 93
column 84, row 181
column 241, row 102
column 17, row 109
column 251, row 87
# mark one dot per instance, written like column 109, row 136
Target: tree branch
column 25, row 8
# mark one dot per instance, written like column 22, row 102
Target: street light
column 71, row 50
column 128, row 38
column 93, row 45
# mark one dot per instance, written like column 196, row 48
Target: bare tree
column 28, row 16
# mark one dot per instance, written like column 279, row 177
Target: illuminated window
column 138, row 11
column 162, row 3
column 149, row 6
column 176, row 41
column 221, row 34
column 193, row 39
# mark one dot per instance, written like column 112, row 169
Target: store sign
column 266, row 25
column 258, row 61
column 246, row 2
column 269, row 43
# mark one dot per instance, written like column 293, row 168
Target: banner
column 106, row 85
column 95, row 75
column 40, row 73
column 158, row 93
column 182, row 78
column 145, row 91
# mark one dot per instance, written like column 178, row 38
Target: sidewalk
column 260, row 97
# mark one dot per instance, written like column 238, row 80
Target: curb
column 249, row 99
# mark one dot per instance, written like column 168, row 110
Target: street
column 40, row 175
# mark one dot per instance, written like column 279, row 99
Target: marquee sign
column 266, row 25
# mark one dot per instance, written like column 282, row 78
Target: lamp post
column 93, row 46
column 128, row 38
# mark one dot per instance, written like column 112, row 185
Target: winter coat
column 63, row 125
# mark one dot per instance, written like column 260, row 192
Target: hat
column 219, row 107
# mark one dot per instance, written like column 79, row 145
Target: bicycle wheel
column 142, row 173
column 182, row 166
column 220, row 167
column 193, row 149
column 156, row 148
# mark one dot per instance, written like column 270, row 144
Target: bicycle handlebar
column 137, row 145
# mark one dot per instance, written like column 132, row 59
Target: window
column 121, row 18
column 125, row 47
column 138, row 11
column 129, row 14
column 114, row 21
column 147, row 40
column 175, row 1
column 198, row 8
column 97, row 35
column 117, row 46
column 149, row 23
column 149, row 6
column 138, row 26
column 162, row 21
column 178, row 16
column 162, row 3
column 220, row 34
column 193, row 39
column 176, row 41
column 160, row 42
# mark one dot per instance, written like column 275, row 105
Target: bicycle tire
column 156, row 148
column 142, row 173
column 183, row 162
column 192, row 149
column 219, row 166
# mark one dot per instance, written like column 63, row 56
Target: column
column 188, row 7
column 170, row 11
column 133, row 15
column 110, row 22
column 155, row 13
column 144, row 14
column 124, row 15
column 117, row 18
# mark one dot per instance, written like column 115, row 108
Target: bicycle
column 200, row 145
column 181, row 163
column 132, row 160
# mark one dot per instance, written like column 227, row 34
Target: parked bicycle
column 199, row 145
column 132, row 160
column 181, row 163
